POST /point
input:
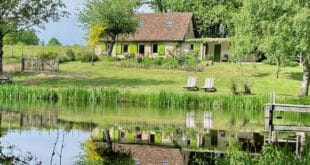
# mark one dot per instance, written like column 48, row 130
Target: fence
column 32, row 64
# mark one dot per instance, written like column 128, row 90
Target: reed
column 162, row 99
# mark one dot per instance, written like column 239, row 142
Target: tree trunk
column 111, row 46
column 278, row 66
column 1, row 52
column 306, row 78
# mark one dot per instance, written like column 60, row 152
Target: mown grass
column 261, row 79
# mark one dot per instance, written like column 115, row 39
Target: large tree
column 212, row 18
column 24, row 14
column 279, row 29
column 117, row 16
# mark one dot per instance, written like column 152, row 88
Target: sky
column 68, row 30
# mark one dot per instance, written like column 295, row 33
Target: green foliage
column 88, row 57
column 53, row 42
column 111, row 96
column 117, row 16
column 284, row 62
column 48, row 55
column 68, row 56
column 27, row 37
column 207, row 14
column 268, row 27
column 26, row 14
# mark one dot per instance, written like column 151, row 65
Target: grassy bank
column 163, row 99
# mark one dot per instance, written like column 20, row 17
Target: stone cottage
column 164, row 34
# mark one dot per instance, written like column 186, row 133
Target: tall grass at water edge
column 163, row 99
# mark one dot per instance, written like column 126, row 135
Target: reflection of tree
column 99, row 153
column 10, row 155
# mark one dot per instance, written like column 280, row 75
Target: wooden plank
column 290, row 108
column 291, row 128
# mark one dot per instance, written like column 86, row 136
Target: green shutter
column 104, row 47
column 118, row 48
column 161, row 49
column 133, row 48
column 158, row 137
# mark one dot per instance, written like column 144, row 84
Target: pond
column 36, row 127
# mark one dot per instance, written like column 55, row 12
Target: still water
column 40, row 143
column 36, row 127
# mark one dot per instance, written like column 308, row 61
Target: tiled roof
column 161, row 27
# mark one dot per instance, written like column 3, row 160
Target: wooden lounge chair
column 191, row 84
column 209, row 85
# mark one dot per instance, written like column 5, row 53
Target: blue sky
column 68, row 30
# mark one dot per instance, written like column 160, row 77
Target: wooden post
column 23, row 64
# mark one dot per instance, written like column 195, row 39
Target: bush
column 284, row 63
column 170, row 62
column 110, row 59
column 70, row 55
column 87, row 57
column 191, row 61
column 48, row 55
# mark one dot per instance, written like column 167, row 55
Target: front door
column 141, row 50
column 217, row 53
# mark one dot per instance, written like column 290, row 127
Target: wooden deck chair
column 209, row 85
column 192, row 84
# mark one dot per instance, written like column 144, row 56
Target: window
column 191, row 47
column 169, row 22
column 165, row 162
column 125, row 48
column 155, row 48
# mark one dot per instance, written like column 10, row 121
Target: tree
column 117, row 16
column 24, row 14
column 212, row 18
column 53, row 42
column 94, row 35
column 27, row 37
column 279, row 29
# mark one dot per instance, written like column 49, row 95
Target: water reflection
column 163, row 136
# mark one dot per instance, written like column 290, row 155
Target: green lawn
column 103, row 74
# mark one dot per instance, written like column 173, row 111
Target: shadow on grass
column 296, row 75
column 93, row 82
column 262, row 74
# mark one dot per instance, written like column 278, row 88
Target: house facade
column 162, row 34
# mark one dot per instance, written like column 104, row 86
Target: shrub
column 70, row 55
column 191, row 61
column 284, row 62
column 48, row 55
column 87, row 57
column 110, row 59
column 170, row 62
